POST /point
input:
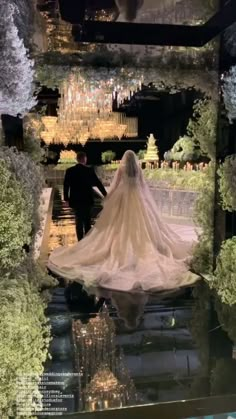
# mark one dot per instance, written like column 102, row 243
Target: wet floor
column 112, row 349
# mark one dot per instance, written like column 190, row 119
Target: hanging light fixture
column 85, row 112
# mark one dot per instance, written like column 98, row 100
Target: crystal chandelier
column 85, row 111
column 104, row 379
column 104, row 391
column 49, row 133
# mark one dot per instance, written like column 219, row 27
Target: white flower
column 229, row 93
column 16, row 69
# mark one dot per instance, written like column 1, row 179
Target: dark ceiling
column 88, row 25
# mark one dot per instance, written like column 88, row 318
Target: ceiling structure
column 70, row 23
column 157, row 33
column 158, row 29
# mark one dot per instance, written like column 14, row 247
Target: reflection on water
column 127, row 349
column 137, row 348
column 104, row 379
column 62, row 229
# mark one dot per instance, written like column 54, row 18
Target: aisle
column 154, row 340
column 62, row 230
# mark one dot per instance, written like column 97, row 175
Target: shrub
column 180, row 179
column 227, row 181
column 202, row 128
column 141, row 154
column 108, row 156
column 202, row 261
column 224, row 278
column 25, row 337
column 183, row 150
column 15, row 225
column 33, row 127
column 29, row 175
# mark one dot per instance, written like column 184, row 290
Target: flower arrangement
column 229, row 93
column 16, row 69
column 53, row 76
column 227, row 181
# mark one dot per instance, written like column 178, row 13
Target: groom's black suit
column 78, row 191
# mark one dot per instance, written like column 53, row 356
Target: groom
column 78, row 192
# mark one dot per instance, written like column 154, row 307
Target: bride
column 129, row 247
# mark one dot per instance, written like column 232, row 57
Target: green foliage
column 108, row 156
column 141, row 154
column 36, row 274
column 227, row 182
column 25, row 337
column 202, row 261
column 30, row 177
column 202, row 128
column 33, row 148
column 227, row 317
column 224, row 278
column 24, row 331
column 15, row 224
column 185, row 149
column 111, row 167
column 179, row 179
column 168, row 178
column 33, row 126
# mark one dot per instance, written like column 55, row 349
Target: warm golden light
column 104, row 379
column 67, row 156
column 85, row 112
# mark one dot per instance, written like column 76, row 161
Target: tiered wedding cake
column 152, row 151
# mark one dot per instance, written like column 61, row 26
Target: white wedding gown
column 129, row 247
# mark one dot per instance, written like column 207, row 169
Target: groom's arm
column 96, row 182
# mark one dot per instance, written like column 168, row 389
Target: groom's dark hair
column 81, row 156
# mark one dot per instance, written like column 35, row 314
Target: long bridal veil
column 129, row 246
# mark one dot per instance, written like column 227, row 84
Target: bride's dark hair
column 130, row 164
